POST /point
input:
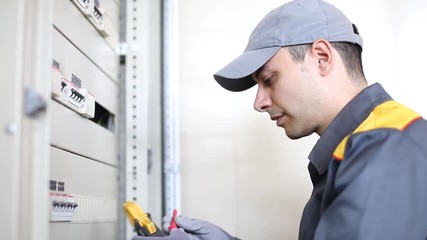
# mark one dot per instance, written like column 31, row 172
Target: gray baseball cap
column 294, row 23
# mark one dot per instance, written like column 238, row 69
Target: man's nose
column 262, row 100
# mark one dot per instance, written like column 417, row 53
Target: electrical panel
column 82, row 121
column 84, row 108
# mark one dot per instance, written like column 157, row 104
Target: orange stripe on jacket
column 389, row 114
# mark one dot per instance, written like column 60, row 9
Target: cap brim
column 236, row 76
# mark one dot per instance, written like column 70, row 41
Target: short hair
column 350, row 53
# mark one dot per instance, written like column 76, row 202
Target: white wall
column 238, row 169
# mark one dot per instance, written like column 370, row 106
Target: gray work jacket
column 369, row 173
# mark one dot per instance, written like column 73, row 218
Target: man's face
column 287, row 91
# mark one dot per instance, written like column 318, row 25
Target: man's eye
column 268, row 81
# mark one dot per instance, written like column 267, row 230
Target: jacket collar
column 347, row 120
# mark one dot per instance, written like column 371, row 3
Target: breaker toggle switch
column 76, row 95
column 93, row 11
column 97, row 17
column 83, row 5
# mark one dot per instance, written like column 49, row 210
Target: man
column 369, row 166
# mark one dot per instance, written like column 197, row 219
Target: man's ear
column 323, row 52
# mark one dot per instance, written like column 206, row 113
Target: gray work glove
column 175, row 234
column 198, row 229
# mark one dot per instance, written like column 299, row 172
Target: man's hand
column 175, row 234
column 198, row 229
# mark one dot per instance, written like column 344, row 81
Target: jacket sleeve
column 379, row 189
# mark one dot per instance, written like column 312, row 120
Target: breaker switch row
column 63, row 207
column 71, row 94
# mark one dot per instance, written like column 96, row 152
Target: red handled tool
column 173, row 223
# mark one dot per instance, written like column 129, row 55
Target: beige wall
column 238, row 169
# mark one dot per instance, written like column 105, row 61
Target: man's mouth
column 278, row 119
